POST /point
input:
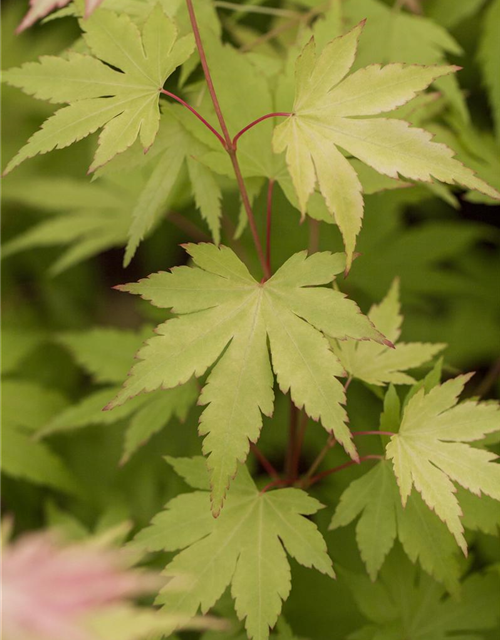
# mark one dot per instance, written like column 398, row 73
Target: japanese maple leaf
column 245, row 547
column 429, row 451
column 41, row 8
column 123, row 102
column 226, row 316
column 330, row 112
column 378, row 364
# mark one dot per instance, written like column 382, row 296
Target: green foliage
column 244, row 547
column 429, row 451
column 221, row 303
column 405, row 604
column 378, row 364
column 124, row 104
column 268, row 119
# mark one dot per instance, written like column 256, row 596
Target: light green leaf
column 429, row 451
column 244, row 547
column 175, row 148
column 378, row 364
column 322, row 121
column 223, row 310
column 124, row 102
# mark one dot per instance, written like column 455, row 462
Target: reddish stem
column 330, row 443
column 347, row 383
column 275, row 483
column 373, row 433
column 270, row 188
column 298, row 445
column 227, row 138
column 271, row 471
column 278, row 114
column 341, row 467
column 292, row 438
column 198, row 115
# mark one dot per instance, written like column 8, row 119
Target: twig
column 277, row 114
column 198, row 115
column 341, row 467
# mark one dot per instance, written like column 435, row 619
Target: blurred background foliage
column 444, row 248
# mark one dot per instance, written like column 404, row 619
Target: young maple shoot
column 304, row 122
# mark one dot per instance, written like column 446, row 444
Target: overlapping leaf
column 245, row 547
column 85, row 218
column 378, row 364
column 430, row 454
column 375, row 498
column 330, row 111
column 394, row 35
column 124, row 102
column 228, row 317
column 175, row 148
column 259, row 96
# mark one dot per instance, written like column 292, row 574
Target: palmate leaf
column 430, row 454
column 124, row 103
column 377, row 364
column 408, row 604
column 258, row 95
column 244, row 547
column 175, row 148
column 223, row 310
column 41, row 8
column 329, row 112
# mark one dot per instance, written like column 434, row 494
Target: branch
column 227, row 138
